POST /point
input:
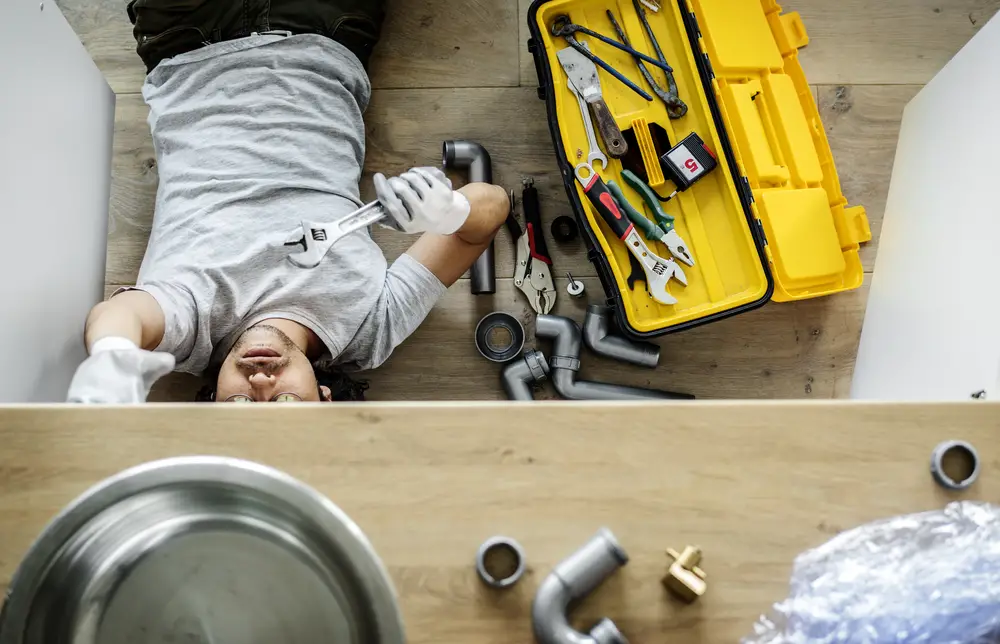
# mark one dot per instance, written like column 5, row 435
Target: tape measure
column 688, row 161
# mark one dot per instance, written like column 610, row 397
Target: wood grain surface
column 450, row 69
column 753, row 484
column 440, row 43
column 863, row 42
column 862, row 125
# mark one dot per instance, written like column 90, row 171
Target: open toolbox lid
column 812, row 237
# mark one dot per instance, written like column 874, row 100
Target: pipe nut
column 955, row 465
column 500, row 562
column 537, row 365
column 565, row 362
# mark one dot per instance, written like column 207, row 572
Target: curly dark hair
column 343, row 388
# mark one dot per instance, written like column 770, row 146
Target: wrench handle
column 588, row 123
column 614, row 140
column 602, row 200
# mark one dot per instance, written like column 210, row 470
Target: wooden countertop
column 753, row 483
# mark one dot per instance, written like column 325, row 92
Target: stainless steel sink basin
column 201, row 550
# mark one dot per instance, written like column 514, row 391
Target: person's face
column 265, row 366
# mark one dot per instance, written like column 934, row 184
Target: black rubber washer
column 564, row 229
column 505, row 349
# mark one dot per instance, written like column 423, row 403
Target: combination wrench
column 595, row 153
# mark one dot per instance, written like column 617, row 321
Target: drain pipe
column 564, row 362
column 572, row 580
column 598, row 338
column 520, row 375
column 475, row 160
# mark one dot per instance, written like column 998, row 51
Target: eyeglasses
column 278, row 398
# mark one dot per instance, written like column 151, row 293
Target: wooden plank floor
column 866, row 59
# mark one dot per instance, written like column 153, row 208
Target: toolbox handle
column 537, row 51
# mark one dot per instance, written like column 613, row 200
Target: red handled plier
column 533, row 267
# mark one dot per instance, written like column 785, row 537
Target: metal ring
column 488, row 346
column 564, row 229
column 500, row 543
column 937, row 465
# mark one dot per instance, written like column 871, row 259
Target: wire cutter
column 676, row 108
column 532, row 268
column 678, row 247
column 563, row 28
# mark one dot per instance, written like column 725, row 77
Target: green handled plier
column 678, row 247
column 648, row 228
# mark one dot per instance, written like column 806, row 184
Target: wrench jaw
column 658, row 270
column 315, row 239
column 598, row 156
column 676, row 271
column 657, row 287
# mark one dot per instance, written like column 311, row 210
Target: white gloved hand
column 422, row 201
column 118, row 371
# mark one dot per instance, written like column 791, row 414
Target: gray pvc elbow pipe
column 564, row 362
column 570, row 581
column 518, row 376
column 475, row 161
column 599, row 339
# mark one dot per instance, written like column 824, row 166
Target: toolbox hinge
column 697, row 27
column 747, row 190
column 760, row 231
column 708, row 65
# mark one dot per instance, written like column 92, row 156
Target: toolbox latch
column 856, row 224
column 789, row 31
column 537, row 52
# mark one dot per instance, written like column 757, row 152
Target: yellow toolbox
column 769, row 222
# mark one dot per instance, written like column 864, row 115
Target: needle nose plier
column 532, row 268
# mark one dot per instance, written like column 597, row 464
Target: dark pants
column 166, row 28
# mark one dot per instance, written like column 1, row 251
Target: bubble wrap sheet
column 931, row 577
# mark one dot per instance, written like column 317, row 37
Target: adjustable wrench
column 317, row 239
column 658, row 270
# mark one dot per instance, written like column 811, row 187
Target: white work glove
column 118, row 371
column 422, row 201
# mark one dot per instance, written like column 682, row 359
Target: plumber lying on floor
column 253, row 135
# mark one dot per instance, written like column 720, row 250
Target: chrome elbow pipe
column 572, row 580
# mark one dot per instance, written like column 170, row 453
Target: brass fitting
column 684, row 578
